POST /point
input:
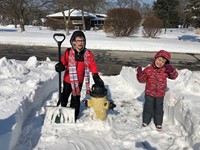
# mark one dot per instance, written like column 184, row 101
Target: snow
column 99, row 40
column 73, row 13
column 28, row 86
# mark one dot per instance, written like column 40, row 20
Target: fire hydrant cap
column 98, row 91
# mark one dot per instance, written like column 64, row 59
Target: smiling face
column 160, row 62
column 79, row 43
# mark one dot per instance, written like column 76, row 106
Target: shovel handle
column 59, row 38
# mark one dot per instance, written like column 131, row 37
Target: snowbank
column 182, row 104
column 22, row 85
column 181, row 101
column 23, row 93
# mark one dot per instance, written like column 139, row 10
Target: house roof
column 74, row 13
column 101, row 15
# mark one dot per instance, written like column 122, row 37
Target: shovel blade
column 56, row 115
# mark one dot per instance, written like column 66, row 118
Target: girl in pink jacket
column 155, row 76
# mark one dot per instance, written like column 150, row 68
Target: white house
column 91, row 19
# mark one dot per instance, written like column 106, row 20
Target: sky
column 27, row 87
column 148, row 1
column 145, row 1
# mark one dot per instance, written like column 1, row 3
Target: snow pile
column 27, row 86
column 182, row 100
column 183, row 104
column 9, row 28
column 21, row 92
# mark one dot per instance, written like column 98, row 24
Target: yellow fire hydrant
column 100, row 106
column 99, row 102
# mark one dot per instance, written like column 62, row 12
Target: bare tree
column 71, row 5
column 182, row 12
column 122, row 3
column 64, row 5
column 122, row 22
column 145, row 10
column 18, row 10
column 134, row 4
column 93, row 5
column 81, row 5
column 87, row 5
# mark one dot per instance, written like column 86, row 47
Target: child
column 77, row 62
column 155, row 76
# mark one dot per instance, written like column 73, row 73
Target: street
column 109, row 62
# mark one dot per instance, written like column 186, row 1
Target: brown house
column 91, row 20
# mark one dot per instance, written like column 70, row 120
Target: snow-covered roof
column 101, row 15
column 74, row 13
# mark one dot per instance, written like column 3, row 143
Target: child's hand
column 59, row 67
column 97, row 80
column 139, row 70
column 169, row 68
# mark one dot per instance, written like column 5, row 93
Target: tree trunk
column 83, row 20
column 22, row 26
column 14, row 22
column 165, row 26
column 65, row 23
column 68, row 22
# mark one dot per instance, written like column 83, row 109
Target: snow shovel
column 58, row 114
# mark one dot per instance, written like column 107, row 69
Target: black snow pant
column 153, row 108
column 75, row 100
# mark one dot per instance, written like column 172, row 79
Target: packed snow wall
column 27, row 85
column 181, row 101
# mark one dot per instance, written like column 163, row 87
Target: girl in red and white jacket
column 155, row 76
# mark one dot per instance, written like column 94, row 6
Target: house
column 91, row 20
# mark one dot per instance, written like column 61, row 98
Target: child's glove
column 139, row 70
column 59, row 67
column 169, row 68
column 97, row 80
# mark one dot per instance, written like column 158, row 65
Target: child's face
column 160, row 62
column 79, row 43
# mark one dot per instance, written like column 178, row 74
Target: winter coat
column 156, row 78
column 79, row 58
